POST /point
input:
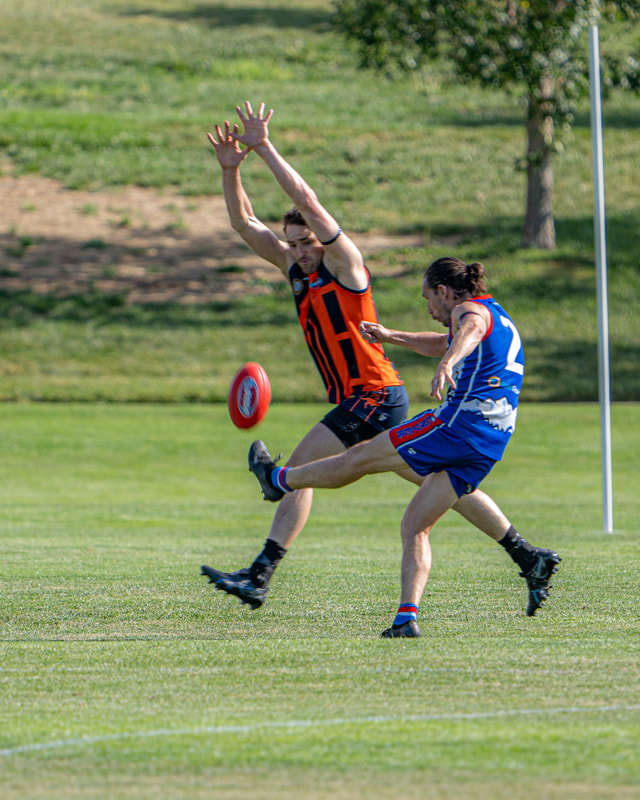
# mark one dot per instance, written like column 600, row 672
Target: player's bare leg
column 431, row 502
column 251, row 584
column 536, row 563
column 293, row 510
column 379, row 455
column 483, row 512
column 367, row 458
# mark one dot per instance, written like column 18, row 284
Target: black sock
column 519, row 549
column 263, row 567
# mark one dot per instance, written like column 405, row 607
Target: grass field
column 124, row 675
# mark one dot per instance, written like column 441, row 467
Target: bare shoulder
column 472, row 307
column 344, row 260
column 472, row 312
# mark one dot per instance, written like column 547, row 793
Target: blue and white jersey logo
column 499, row 414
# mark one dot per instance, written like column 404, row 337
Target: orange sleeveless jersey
column 330, row 314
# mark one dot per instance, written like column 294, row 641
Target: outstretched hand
column 373, row 332
column 256, row 127
column 229, row 153
column 441, row 377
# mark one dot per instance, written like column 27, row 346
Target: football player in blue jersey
column 447, row 450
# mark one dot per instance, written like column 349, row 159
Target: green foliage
column 533, row 48
column 401, row 33
column 512, row 45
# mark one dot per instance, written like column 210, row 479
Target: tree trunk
column 539, row 230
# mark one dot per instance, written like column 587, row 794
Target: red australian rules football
column 249, row 396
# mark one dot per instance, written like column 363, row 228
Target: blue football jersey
column 483, row 406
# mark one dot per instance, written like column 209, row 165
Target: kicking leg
column 252, row 584
column 373, row 456
column 292, row 513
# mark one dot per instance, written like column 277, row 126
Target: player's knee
column 410, row 528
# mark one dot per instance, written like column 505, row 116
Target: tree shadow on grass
column 503, row 234
column 514, row 114
column 23, row 308
column 262, row 300
column 218, row 16
column 621, row 119
column 567, row 371
column 560, row 370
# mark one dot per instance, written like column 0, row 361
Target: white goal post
column 601, row 278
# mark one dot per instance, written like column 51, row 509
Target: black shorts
column 362, row 416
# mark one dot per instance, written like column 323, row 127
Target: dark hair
column 293, row 217
column 461, row 277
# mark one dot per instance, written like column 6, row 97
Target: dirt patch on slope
column 146, row 245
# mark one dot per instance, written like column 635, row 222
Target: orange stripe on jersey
column 330, row 316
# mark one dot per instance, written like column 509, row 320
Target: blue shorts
column 362, row 416
column 427, row 445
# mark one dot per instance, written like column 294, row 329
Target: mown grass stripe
column 308, row 723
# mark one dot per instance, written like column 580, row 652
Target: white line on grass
column 302, row 723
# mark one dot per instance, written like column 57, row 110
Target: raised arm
column 342, row 257
column 255, row 233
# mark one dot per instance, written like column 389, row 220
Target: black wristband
column 331, row 241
